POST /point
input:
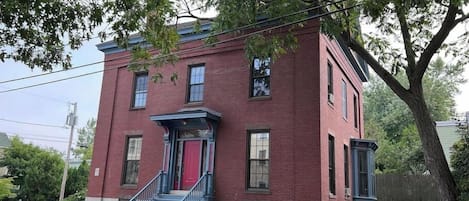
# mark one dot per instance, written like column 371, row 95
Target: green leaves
column 36, row 32
column 460, row 164
column 31, row 167
column 6, row 187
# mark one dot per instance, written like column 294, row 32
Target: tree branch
column 410, row 54
column 448, row 24
column 387, row 77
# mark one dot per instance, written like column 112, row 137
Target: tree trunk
column 433, row 152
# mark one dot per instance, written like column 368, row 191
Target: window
column 355, row 111
column 344, row 99
column 363, row 168
column 346, row 167
column 132, row 160
column 330, row 86
column 260, row 74
column 140, row 90
column 362, row 173
column 331, row 165
column 258, row 160
column 196, row 83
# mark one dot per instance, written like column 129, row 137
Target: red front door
column 191, row 164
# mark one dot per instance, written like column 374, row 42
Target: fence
column 391, row 187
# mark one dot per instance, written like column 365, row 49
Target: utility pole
column 71, row 121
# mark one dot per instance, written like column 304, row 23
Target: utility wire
column 59, row 135
column 33, row 124
column 192, row 49
column 40, row 139
column 215, row 34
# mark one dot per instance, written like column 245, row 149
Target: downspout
column 110, row 133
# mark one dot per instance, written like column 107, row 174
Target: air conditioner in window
column 330, row 97
column 348, row 192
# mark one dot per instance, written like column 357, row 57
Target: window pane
column 330, row 89
column 140, row 99
column 261, row 68
column 132, row 160
column 260, row 74
column 258, row 160
column 344, row 99
column 135, row 147
column 261, row 86
column 355, row 111
column 363, row 173
column 331, row 165
column 197, row 75
column 196, row 93
column 140, row 90
column 196, row 84
column 131, row 172
column 259, row 174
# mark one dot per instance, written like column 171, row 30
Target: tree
column 421, row 27
column 84, row 149
column 35, row 170
column 39, row 32
column 388, row 119
column 460, row 160
column 409, row 33
column 77, row 181
column 5, row 188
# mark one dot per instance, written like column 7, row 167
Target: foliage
column 78, row 196
column 460, row 162
column 84, row 148
column 77, row 181
column 6, row 187
column 35, row 170
column 408, row 35
column 37, row 32
column 385, row 114
column 400, row 149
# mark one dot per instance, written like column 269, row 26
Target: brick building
column 232, row 129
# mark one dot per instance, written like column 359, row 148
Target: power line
column 50, row 82
column 215, row 34
column 27, row 134
column 191, row 49
column 40, row 139
column 33, row 124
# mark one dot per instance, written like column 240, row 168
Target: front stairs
column 156, row 190
column 172, row 196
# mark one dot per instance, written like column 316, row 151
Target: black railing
column 151, row 189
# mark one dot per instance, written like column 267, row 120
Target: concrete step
column 169, row 197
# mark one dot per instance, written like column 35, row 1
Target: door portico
column 189, row 146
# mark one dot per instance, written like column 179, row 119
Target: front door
column 191, row 164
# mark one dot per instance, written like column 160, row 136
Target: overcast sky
column 48, row 104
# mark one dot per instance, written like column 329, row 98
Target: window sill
column 129, row 186
column 191, row 104
column 332, row 196
column 260, row 98
column 136, row 108
column 258, row 191
column 331, row 104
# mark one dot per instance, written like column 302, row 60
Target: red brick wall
column 297, row 115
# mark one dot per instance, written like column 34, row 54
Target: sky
column 49, row 104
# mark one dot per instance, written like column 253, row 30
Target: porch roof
column 187, row 117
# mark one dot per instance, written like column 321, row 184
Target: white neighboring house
column 447, row 132
column 4, row 143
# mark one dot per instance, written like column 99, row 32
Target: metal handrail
column 200, row 190
column 150, row 190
